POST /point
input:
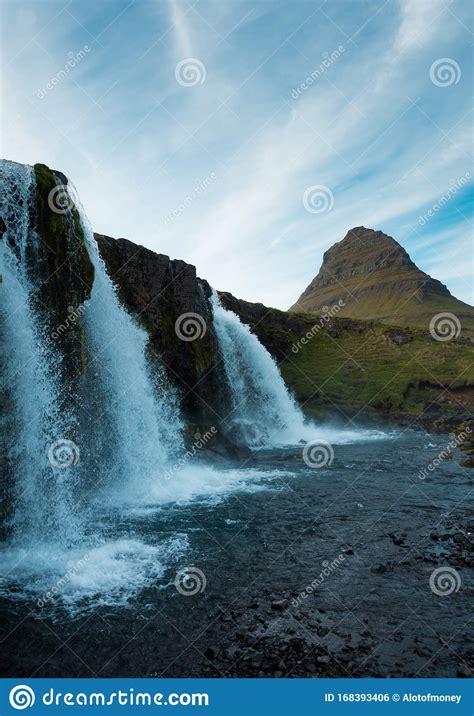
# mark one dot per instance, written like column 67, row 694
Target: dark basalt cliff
column 158, row 292
column 376, row 279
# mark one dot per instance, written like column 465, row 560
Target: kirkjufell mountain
column 376, row 279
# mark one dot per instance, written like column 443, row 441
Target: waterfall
column 137, row 407
column 263, row 413
column 123, row 417
column 31, row 424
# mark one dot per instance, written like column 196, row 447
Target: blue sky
column 212, row 167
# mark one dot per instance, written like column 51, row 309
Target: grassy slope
column 363, row 371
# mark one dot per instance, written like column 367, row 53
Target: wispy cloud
column 182, row 29
column 370, row 125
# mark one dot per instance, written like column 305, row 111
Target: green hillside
column 369, row 367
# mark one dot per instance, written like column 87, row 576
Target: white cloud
column 133, row 163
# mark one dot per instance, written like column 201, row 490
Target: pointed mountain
column 374, row 278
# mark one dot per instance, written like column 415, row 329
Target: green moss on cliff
column 63, row 242
column 62, row 262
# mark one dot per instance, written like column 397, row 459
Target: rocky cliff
column 375, row 278
column 166, row 296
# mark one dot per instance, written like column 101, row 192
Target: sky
column 191, row 127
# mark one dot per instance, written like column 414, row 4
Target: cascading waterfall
column 41, row 491
column 127, row 427
column 263, row 412
column 144, row 433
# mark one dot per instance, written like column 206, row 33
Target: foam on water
column 104, row 574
